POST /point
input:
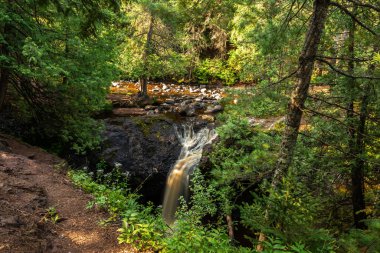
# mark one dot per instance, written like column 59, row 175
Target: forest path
column 30, row 184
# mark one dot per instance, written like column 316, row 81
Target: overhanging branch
column 339, row 71
column 344, row 9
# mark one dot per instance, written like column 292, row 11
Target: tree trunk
column 299, row 95
column 147, row 51
column 298, row 98
column 4, row 72
column 3, row 86
column 355, row 134
column 357, row 170
column 230, row 227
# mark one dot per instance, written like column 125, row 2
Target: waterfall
column 178, row 179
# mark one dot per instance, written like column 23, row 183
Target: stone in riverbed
column 214, row 109
column 165, row 87
column 150, row 113
column 123, row 112
column 170, row 101
column 150, row 107
column 186, row 109
column 207, row 117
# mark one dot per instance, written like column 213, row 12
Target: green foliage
column 362, row 240
column 259, row 101
column 60, row 65
column 290, row 214
column 188, row 233
column 243, row 152
column 51, row 215
column 276, row 245
column 192, row 237
column 142, row 230
column 214, row 70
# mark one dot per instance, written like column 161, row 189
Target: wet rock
column 214, row 109
column 199, row 105
column 207, row 117
column 150, row 107
column 194, row 90
column 203, row 90
column 150, row 113
column 123, row 112
column 146, row 147
column 170, row 101
column 216, row 96
column 165, row 87
column 186, row 109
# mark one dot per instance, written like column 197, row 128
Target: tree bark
column 298, row 98
column 357, row 170
column 230, row 227
column 3, row 86
column 4, row 72
column 299, row 95
column 355, row 135
column 147, row 51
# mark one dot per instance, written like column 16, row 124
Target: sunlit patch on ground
column 83, row 238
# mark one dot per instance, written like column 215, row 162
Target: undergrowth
column 143, row 226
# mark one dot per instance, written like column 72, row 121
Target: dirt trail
column 30, row 183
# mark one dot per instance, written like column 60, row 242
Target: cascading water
column 178, row 179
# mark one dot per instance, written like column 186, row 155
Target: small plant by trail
column 51, row 215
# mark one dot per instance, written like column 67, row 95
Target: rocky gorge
column 139, row 135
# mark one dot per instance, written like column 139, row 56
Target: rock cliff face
column 146, row 148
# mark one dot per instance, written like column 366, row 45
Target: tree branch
column 366, row 5
column 339, row 71
column 343, row 58
column 342, row 8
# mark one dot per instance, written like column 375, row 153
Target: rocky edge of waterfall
column 184, row 100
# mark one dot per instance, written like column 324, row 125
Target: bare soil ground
column 30, row 183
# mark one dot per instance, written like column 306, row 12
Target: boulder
column 146, row 148
column 186, row 109
column 214, row 109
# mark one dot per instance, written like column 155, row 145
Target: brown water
column 178, row 180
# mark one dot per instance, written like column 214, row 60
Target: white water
column 178, row 180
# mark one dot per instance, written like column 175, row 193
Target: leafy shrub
column 214, row 70
column 362, row 240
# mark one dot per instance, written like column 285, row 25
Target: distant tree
column 151, row 49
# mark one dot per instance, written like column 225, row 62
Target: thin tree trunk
column 355, row 133
column 298, row 98
column 299, row 95
column 4, row 72
column 357, row 170
column 147, row 51
column 230, row 227
column 3, row 86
